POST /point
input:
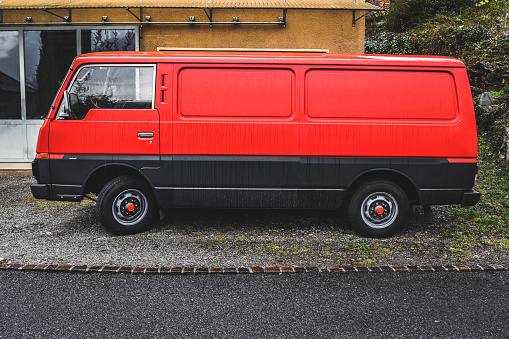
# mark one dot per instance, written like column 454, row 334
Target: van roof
column 266, row 57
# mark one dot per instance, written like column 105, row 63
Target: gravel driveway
column 41, row 232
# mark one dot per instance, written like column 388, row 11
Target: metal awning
column 202, row 4
column 206, row 5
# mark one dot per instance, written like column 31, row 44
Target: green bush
column 390, row 43
column 406, row 14
column 493, row 121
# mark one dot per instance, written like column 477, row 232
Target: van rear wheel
column 126, row 206
column 378, row 209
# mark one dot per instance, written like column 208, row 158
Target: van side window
column 109, row 87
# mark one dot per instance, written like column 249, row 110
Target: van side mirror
column 67, row 106
column 74, row 104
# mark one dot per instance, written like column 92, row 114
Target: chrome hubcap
column 130, row 207
column 379, row 210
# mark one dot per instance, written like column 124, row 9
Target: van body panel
column 272, row 130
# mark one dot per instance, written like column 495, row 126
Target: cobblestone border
column 250, row 270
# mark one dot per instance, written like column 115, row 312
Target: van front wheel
column 126, row 206
column 378, row 209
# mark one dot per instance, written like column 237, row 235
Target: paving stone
column 110, row 268
column 188, row 270
column 463, row 268
column 125, row 269
column 176, row 270
column 400, row 268
column 14, row 266
column 81, row 268
column 337, row 269
column 229, row 270
column 271, row 269
column 164, row 270
column 450, row 267
column 139, row 270
column 349, row 269
column 94, row 268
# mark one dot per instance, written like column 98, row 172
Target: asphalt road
column 351, row 305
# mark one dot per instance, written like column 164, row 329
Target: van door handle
column 145, row 135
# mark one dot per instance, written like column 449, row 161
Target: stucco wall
column 305, row 29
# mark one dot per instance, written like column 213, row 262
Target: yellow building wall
column 305, row 29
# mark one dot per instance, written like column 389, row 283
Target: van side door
column 111, row 119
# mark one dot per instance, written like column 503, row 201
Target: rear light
column 42, row 155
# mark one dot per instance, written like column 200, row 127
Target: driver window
column 109, row 87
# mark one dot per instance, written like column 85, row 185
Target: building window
column 10, row 94
column 102, row 40
column 48, row 56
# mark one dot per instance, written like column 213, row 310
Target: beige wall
column 305, row 29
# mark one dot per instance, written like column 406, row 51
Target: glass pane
column 48, row 56
column 102, row 40
column 110, row 87
column 10, row 92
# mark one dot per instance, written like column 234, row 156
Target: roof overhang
column 207, row 5
column 202, row 4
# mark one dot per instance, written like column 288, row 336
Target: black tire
column 378, row 209
column 126, row 205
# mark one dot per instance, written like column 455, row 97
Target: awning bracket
column 65, row 18
column 284, row 18
column 354, row 20
column 141, row 14
column 209, row 15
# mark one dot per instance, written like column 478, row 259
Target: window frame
column 79, row 69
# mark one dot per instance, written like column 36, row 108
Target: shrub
column 493, row 121
column 390, row 43
column 406, row 14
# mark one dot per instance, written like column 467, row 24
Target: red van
column 150, row 130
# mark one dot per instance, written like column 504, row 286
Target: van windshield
column 110, row 87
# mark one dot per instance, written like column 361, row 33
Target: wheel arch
column 399, row 178
column 101, row 175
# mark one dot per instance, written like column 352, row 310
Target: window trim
column 79, row 69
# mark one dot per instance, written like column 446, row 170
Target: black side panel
column 74, row 169
column 267, row 182
column 461, row 175
column 425, row 173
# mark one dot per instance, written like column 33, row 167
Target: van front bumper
column 470, row 198
column 40, row 191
